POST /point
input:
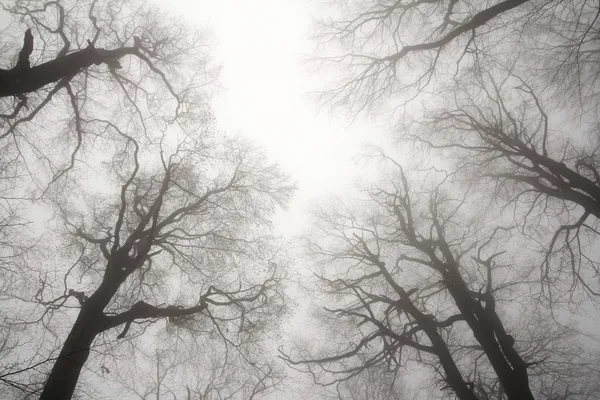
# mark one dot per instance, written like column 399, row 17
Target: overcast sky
column 262, row 46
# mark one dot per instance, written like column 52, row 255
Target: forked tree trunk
column 508, row 365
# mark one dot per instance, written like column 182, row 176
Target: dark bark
column 25, row 79
column 564, row 182
column 25, row 51
column 65, row 373
column 485, row 325
column 92, row 321
column 508, row 365
column 454, row 378
column 483, row 322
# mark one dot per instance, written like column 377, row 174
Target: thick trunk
column 65, row 372
column 510, row 368
column 454, row 378
column 90, row 322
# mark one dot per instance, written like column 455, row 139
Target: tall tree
column 185, row 243
column 417, row 275
column 511, row 84
column 175, row 228
column 546, row 176
column 508, row 91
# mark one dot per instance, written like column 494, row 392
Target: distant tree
column 200, row 369
column 418, row 275
column 15, row 247
column 373, row 384
column 395, row 49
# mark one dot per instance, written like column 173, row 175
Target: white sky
column 261, row 45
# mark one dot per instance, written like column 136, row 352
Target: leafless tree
column 113, row 84
column 509, row 89
column 545, row 176
column 201, row 369
column 179, row 233
column 80, row 60
column 399, row 49
column 417, row 275
column 15, row 246
column 374, row 384
column 425, row 276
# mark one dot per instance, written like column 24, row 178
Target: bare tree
column 81, row 60
column 178, row 230
column 396, row 49
column 200, row 369
column 416, row 275
column 545, row 176
column 184, row 239
column 15, row 247
column 513, row 100
column 374, row 384
column 425, row 276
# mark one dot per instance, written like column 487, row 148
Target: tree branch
column 25, row 79
column 143, row 310
column 479, row 19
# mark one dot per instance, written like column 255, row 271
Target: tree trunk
column 76, row 349
column 512, row 375
column 454, row 378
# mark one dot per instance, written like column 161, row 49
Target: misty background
column 299, row 199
